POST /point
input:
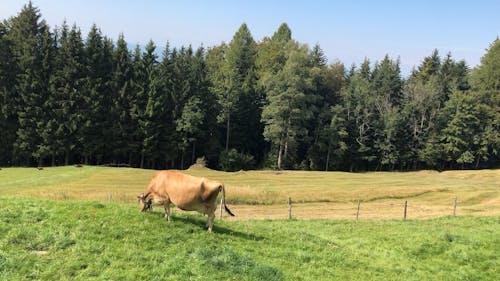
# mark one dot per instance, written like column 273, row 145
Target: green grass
column 73, row 240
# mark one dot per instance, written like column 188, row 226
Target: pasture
column 60, row 224
column 62, row 240
column 263, row 194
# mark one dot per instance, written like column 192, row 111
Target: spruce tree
column 8, row 101
column 151, row 106
column 121, row 103
column 138, row 105
column 195, row 115
column 359, row 102
column 486, row 89
column 66, row 99
column 30, row 37
column 239, row 79
column 327, row 83
column 98, row 70
column 387, row 90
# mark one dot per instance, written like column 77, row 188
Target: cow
column 187, row 192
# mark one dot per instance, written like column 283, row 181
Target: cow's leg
column 166, row 205
column 210, row 212
column 210, row 222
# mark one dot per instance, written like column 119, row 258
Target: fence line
column 406, row 206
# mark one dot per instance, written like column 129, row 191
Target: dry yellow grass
column 263, row 194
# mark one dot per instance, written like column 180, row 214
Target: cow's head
column 145, row 203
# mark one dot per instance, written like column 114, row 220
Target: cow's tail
column 224, row 201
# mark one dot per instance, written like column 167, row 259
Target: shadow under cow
column 201, row 223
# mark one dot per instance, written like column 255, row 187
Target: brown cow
column 184, row 191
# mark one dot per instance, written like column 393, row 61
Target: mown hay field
column 263, row 194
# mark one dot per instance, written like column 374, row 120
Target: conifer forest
column 268, row 103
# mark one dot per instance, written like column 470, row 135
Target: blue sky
column 347, row 31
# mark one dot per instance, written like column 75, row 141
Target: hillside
column 62, row 240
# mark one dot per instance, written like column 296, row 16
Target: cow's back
column 181, row 189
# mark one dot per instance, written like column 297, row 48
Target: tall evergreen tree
column 429, row 67
column 190, row 123
column 327, row 83
column 182, row 89
column 150, row 113
column 66, row 95
column 387, row 90
column 359, row 103
column 122, row 99
column 239, row 80
column 486, row 88
column 336, row 135
column 30, row 37
column 8, row 101
column 98, row 70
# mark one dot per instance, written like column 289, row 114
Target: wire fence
column 356, row 210
column 394, row 209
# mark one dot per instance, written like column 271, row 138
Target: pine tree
column 337, row 137
column 387, row 89
column 30, row 39
column 169, row 139
column 195, row 114
column 486, row 88
column 122, row 99
column 246, row 126
column 239, row 78
column 138, row 105
column 327, row 83
column 386, row 81
column 66, row 95
column 462, row 135
column 283, row 35
column 361, row 115
column 149, row 114
column 182, row 91
column 98, row 70
column 429, row 67
column 8, row 101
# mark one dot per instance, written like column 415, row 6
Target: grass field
column 263, row 194
column 60, row 224
column 64, row 240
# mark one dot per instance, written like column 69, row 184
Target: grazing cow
column 184, row 191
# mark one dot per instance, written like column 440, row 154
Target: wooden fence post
column 110, row 197
column 220, row 209
column 289, row 208
column 357, row 212
column 455, row 206
column 404, row 213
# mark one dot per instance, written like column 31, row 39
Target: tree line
column 274, row 103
